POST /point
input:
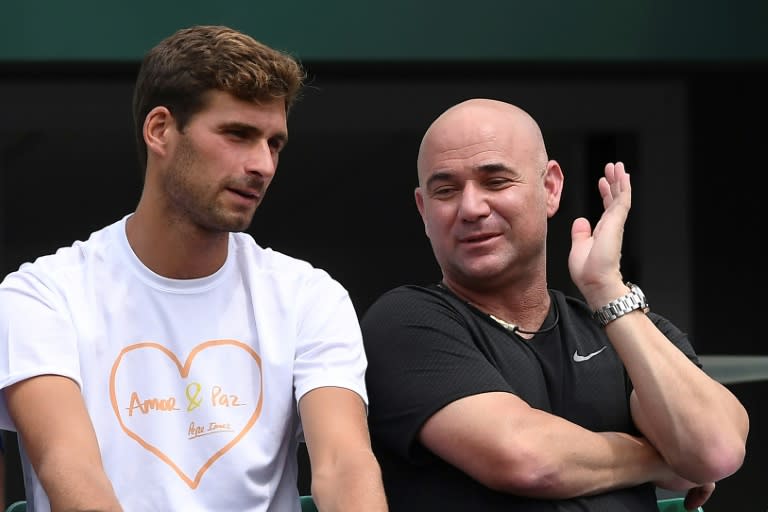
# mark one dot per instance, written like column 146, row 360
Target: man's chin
column 480, row 277
column 230, row 223
column 486, row 268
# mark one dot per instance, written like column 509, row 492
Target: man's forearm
column 571, row 462
column 674, row 403
column 78, row 489
column 531, row 452
column 349, row 484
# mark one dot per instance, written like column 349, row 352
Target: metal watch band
column 633, row 300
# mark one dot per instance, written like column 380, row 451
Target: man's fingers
column 698, row 496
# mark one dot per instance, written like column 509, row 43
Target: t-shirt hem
column 345, row 384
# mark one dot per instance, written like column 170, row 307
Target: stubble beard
column 198, row 203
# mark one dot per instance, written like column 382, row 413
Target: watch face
column 640, row 295
column 634, row 288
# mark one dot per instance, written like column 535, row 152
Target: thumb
column 580, row 230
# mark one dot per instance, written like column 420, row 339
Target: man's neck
column 523, row 304
column 175, row 250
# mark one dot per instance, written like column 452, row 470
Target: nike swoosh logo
column 580, row 359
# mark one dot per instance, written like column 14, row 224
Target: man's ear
column 553, row 183
column 418, row 195
column 158, row 126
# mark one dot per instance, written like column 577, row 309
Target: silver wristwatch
column 635, row 299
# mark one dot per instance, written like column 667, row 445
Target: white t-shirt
column 192, row 385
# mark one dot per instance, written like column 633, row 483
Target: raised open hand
column 595, row 254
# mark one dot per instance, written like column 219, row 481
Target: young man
column 169, row 362
column 490, row 391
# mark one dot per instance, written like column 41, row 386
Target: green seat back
column 673, row 505
column 308, row 504
column 17, row 506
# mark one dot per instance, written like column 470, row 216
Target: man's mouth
column 477, row 238
column 249, row 195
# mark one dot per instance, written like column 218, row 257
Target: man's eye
column 443, row 191
column 497, row 183
column 238, row 134
column 276, row 145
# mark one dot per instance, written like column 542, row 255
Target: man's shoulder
column 268, row 258
column 408, row 293
column 409, row 300
column 71, row 257
column 276, row 267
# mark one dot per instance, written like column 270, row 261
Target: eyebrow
column 489, row 168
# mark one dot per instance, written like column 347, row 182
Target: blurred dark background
column 675, row 90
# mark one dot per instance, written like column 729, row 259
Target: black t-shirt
column 427, row 348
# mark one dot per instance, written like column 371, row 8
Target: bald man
column 489, row 391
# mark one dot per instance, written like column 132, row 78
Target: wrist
column 598, row 297
column 631, row 300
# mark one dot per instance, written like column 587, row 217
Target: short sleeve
column 421, row 357
column 36, row 335
column 329, row 350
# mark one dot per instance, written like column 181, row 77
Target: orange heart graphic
column 184, row 373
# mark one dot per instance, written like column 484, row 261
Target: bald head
column 474, row 122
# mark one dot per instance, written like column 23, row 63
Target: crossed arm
column 697, row 425
column 345, row 473
column 530, row 452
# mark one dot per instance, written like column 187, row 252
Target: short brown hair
column 182, row 68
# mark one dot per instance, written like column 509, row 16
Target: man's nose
column 262, row 159
column 474, row 203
